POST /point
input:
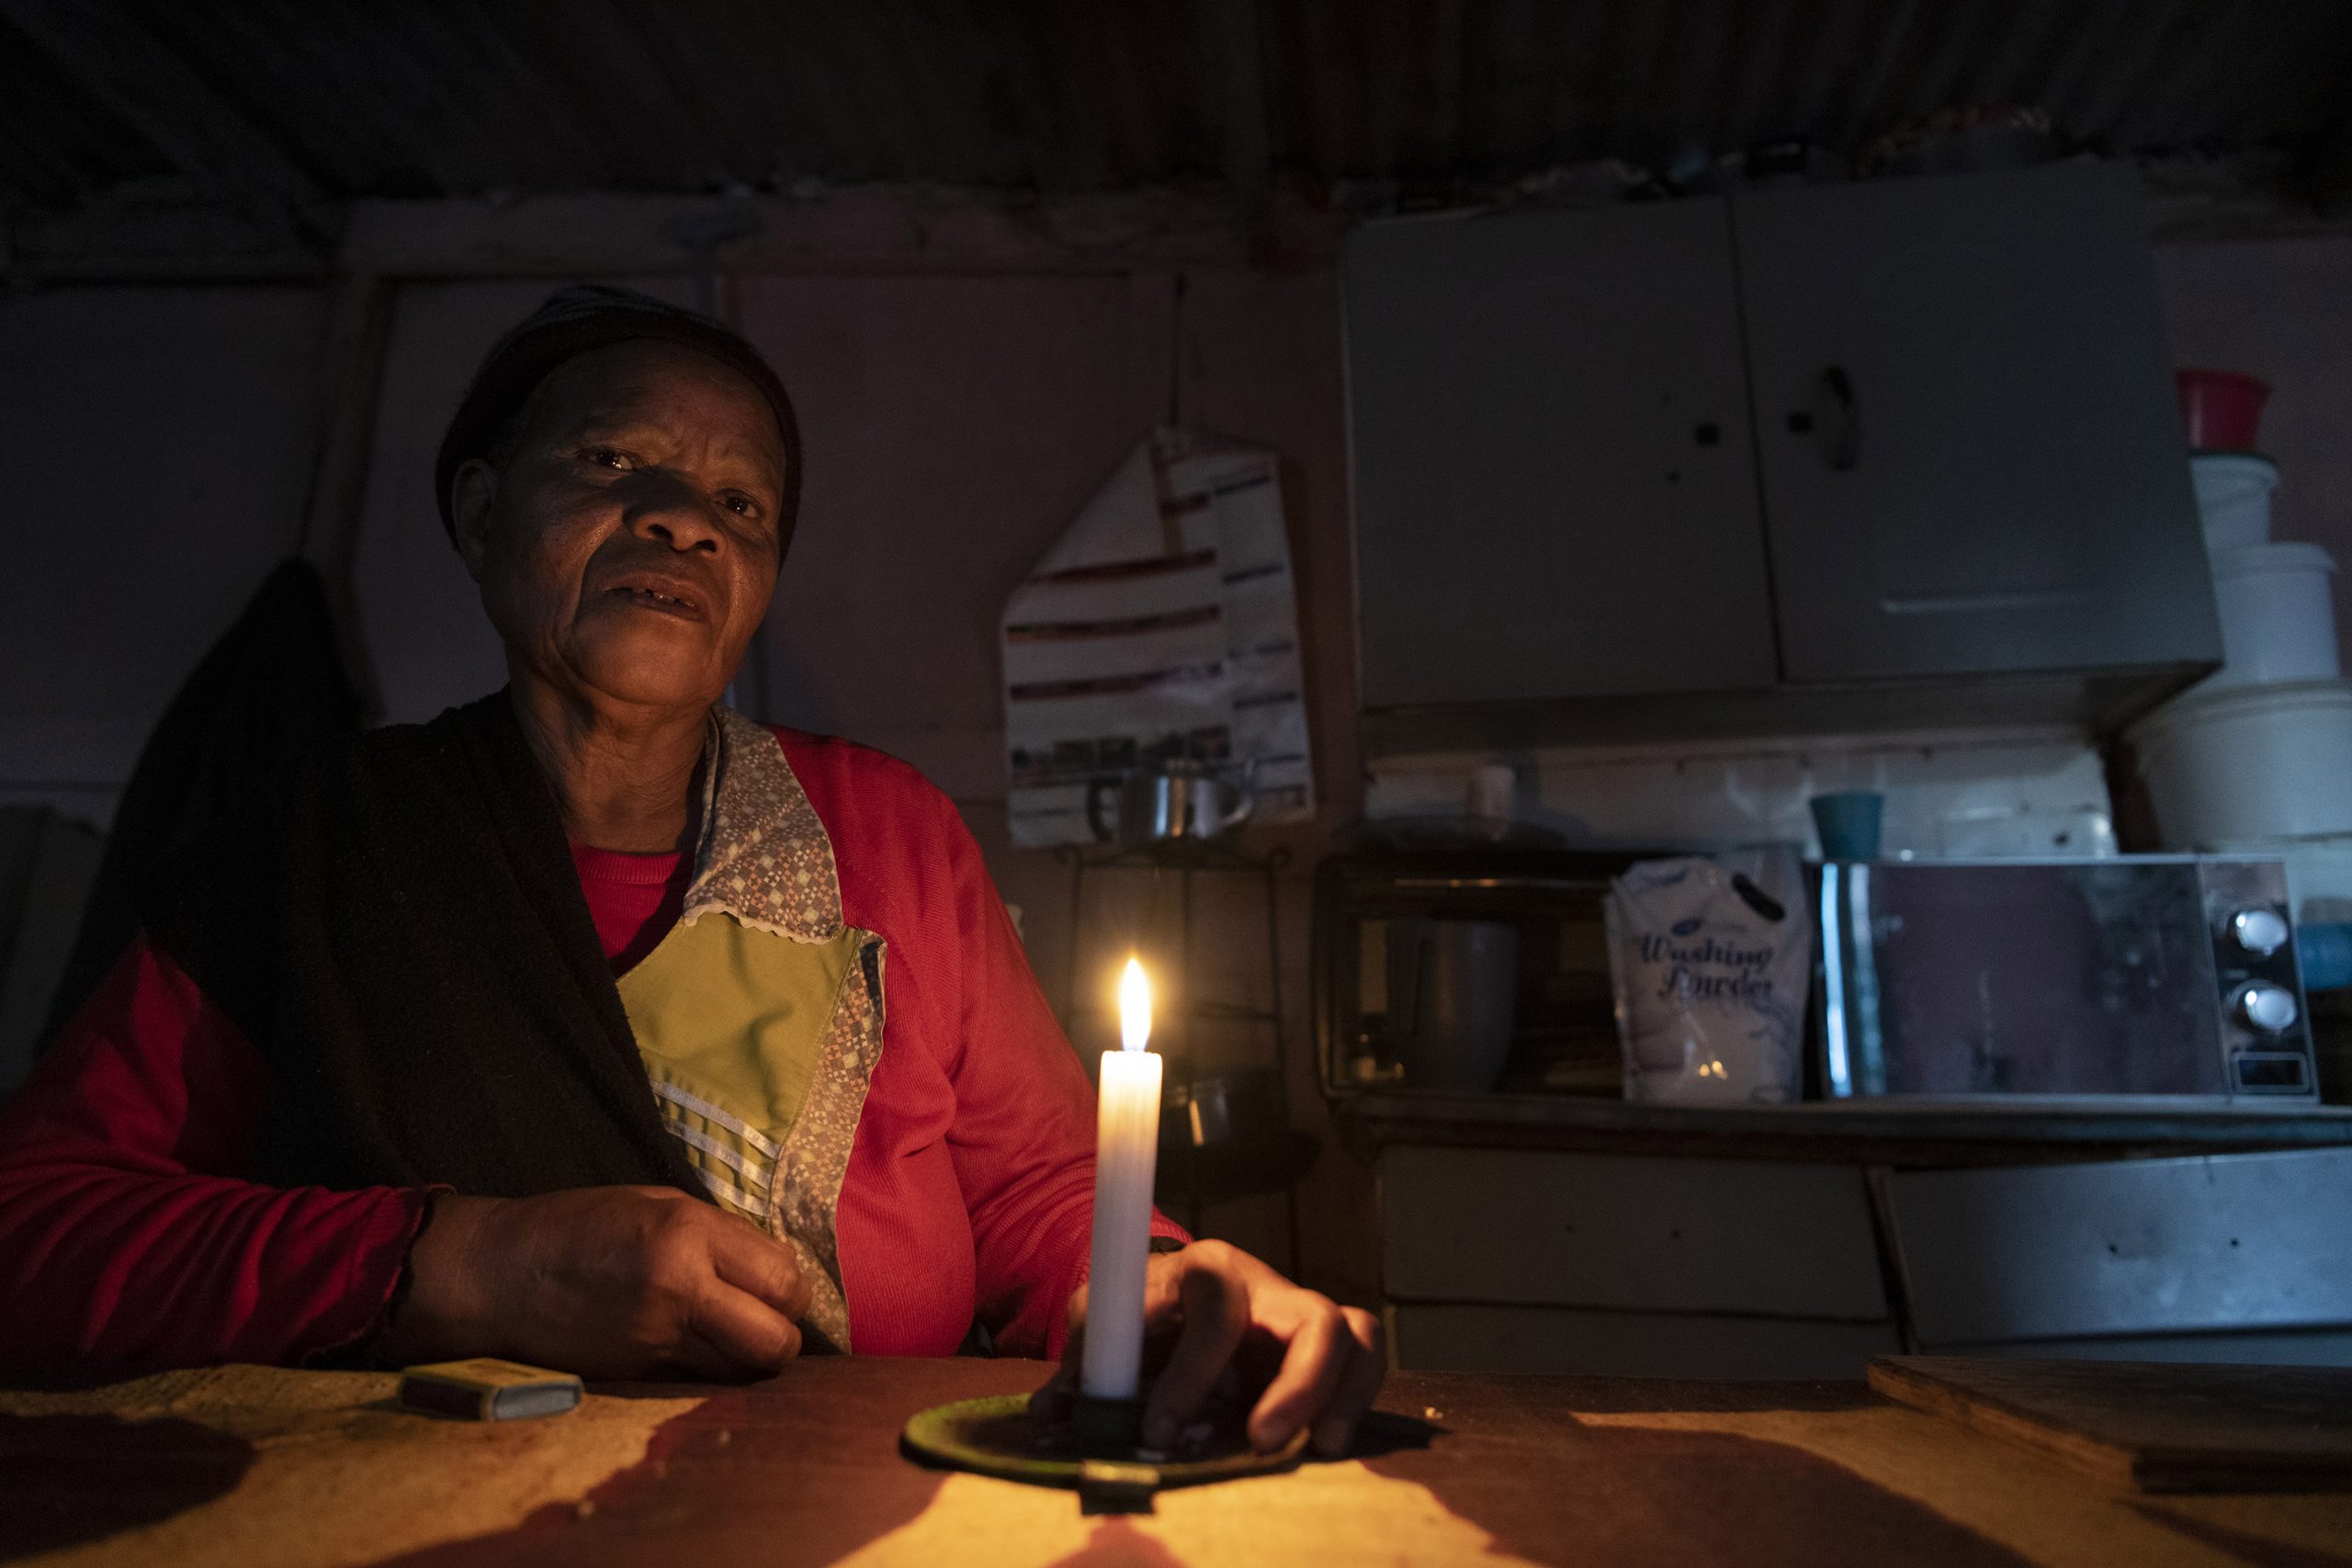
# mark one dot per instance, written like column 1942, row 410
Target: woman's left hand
column 1235, row 1320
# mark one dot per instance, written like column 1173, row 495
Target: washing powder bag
column 1710, row 956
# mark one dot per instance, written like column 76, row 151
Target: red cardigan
column 128, row 1234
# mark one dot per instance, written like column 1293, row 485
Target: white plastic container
column 2278, row 614
column 2249, row 763
column 2319, row 873
column 2234, row 497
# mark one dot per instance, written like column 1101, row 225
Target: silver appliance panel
column 2155, row 977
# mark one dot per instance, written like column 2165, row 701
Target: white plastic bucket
column 2234, row 497
column 2252, row 763
column 2278, row 614
column 2319, row 873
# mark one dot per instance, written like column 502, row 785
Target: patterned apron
column 759, row 1016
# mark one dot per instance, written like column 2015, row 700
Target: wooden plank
column 1516, row 1226
column 2262, row 1347
column 2153, row 1426
column 1231, row 36
column 835, row 231
column 358, row 335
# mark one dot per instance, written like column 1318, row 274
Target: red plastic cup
column 2222, row 407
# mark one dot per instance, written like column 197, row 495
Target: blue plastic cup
column 2325, row 950
column 1847, row 821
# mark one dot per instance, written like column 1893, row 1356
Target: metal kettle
column 1180, row 799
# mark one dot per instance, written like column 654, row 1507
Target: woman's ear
column 472, row 492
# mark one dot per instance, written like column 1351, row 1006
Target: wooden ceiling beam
column 2323, row 169
column 880, row 229
column 1236, row 47
column 141, row 78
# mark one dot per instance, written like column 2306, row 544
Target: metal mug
column 1178, row 799
column 1452, row 1002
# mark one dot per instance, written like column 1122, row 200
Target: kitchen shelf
column 1907, row 1134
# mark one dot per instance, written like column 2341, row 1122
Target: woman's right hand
column 604, row 1281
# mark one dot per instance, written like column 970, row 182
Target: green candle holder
column 1098, row 1454
column 1107, row 1428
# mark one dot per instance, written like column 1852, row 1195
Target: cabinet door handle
column 1840, row 424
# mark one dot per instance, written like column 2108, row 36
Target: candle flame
column 1134, row 1007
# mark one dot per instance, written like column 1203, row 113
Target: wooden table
column 254, row 1468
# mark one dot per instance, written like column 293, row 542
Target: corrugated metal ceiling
column 413, row 97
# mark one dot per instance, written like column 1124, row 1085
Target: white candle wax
column 1127, row 1147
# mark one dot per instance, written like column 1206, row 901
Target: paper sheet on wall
column 1162, row 623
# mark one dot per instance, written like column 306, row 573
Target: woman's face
column 625, row 540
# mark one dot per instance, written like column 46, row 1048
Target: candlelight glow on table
column 1126, row 1147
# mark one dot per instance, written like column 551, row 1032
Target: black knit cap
column 572, row 322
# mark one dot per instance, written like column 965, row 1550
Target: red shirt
column 129, row 1234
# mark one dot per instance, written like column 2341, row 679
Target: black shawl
column 403, row 937
column 270, row 692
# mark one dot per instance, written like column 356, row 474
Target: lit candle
column 1126, row 1146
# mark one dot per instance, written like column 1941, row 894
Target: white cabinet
column 1970, row 456
column 1886, row 452
column 1550, row 441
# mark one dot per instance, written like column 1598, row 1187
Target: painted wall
column 156, row 442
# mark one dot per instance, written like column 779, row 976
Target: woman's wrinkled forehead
column 661, row 388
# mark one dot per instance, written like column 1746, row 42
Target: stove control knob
column 2257, row 932
column 2265, row 1008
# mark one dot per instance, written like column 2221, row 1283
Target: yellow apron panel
column 731, row 1023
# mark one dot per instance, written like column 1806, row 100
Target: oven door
column 2005, row 979
column 1466, row 969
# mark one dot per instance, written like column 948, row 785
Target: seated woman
column 593, row 1024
